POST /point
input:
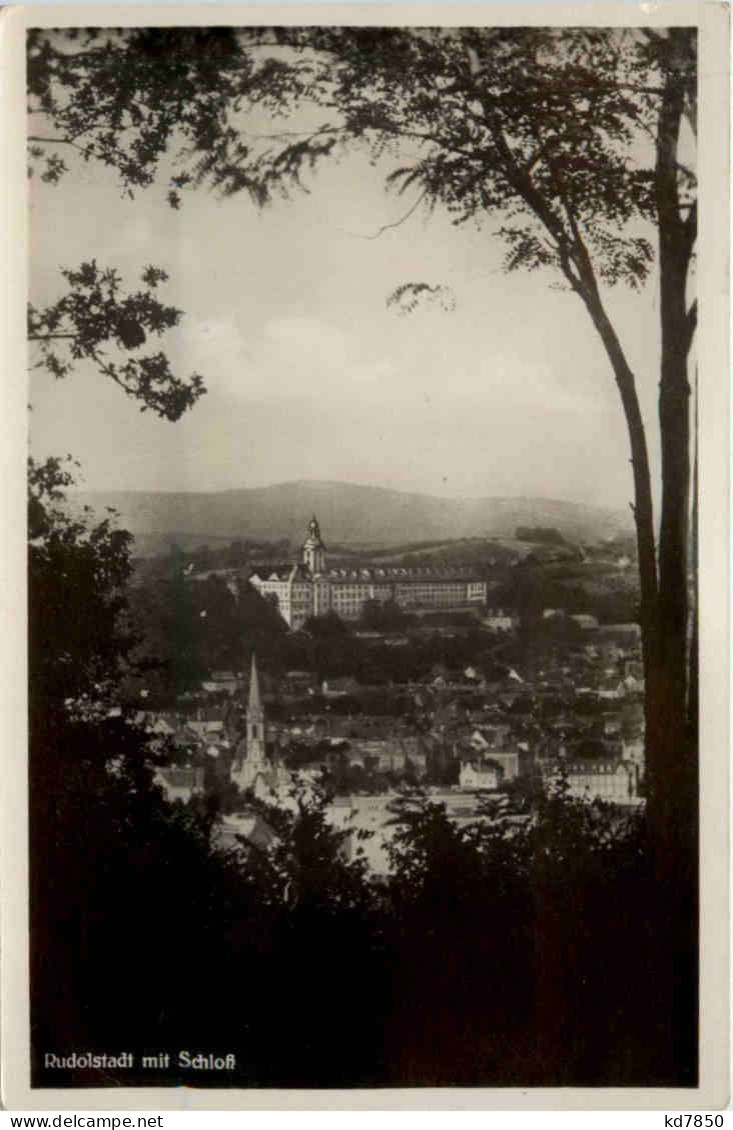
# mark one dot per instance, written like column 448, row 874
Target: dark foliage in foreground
column 505, row 952
column 494, row 954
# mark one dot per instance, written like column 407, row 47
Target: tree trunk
column 643, row 506
column 670, row 764
column 671, row 751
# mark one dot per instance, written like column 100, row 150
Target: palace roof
column 281, row 571
column 373, row 574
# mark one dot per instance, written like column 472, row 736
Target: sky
column 310, row 374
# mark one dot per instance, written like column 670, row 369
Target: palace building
column 309, row 588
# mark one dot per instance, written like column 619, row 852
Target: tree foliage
column 535, row 124
column 78, row 569
column 309, row 863
column 95, row 313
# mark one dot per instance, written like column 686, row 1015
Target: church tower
column 256, row 752
column 314, row 551
column 250, row 767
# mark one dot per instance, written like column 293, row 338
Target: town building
column 499, row 620
column 180, row 783
column 309, row 588
column 479, row 774
column 247, row 827
column 613, row 780
column 222, row 682
column 585, row 621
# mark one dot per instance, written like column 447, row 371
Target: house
column 394, row 753
column 585, row 621
column 608, row 779
column 508, row 761
column 219, row 682
column 633, row 751
column 627, row 633
column 297, row 682
column 160, row 725
column 479, row 774
column 180, row 784
column 339, row 687
column 247, row 826
column 497, row 620
column 203, row 729
column 496, row 733
column 396, row 641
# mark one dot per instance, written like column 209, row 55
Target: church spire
column 254, row 706
column 251, row 761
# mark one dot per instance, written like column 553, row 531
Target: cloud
column 302, row 336
column 288, row 357
column 297, row 357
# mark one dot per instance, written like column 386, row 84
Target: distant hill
column 351, row 515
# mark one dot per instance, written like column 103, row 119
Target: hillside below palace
column 309, row 588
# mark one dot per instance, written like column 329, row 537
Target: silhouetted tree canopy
column 78, row 569
column 94, row 314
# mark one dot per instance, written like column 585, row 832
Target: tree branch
column 50, row 337
column 396, row 224
column 87, row 150
column 49, row 140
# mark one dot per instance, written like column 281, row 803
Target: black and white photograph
column 364, row 470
